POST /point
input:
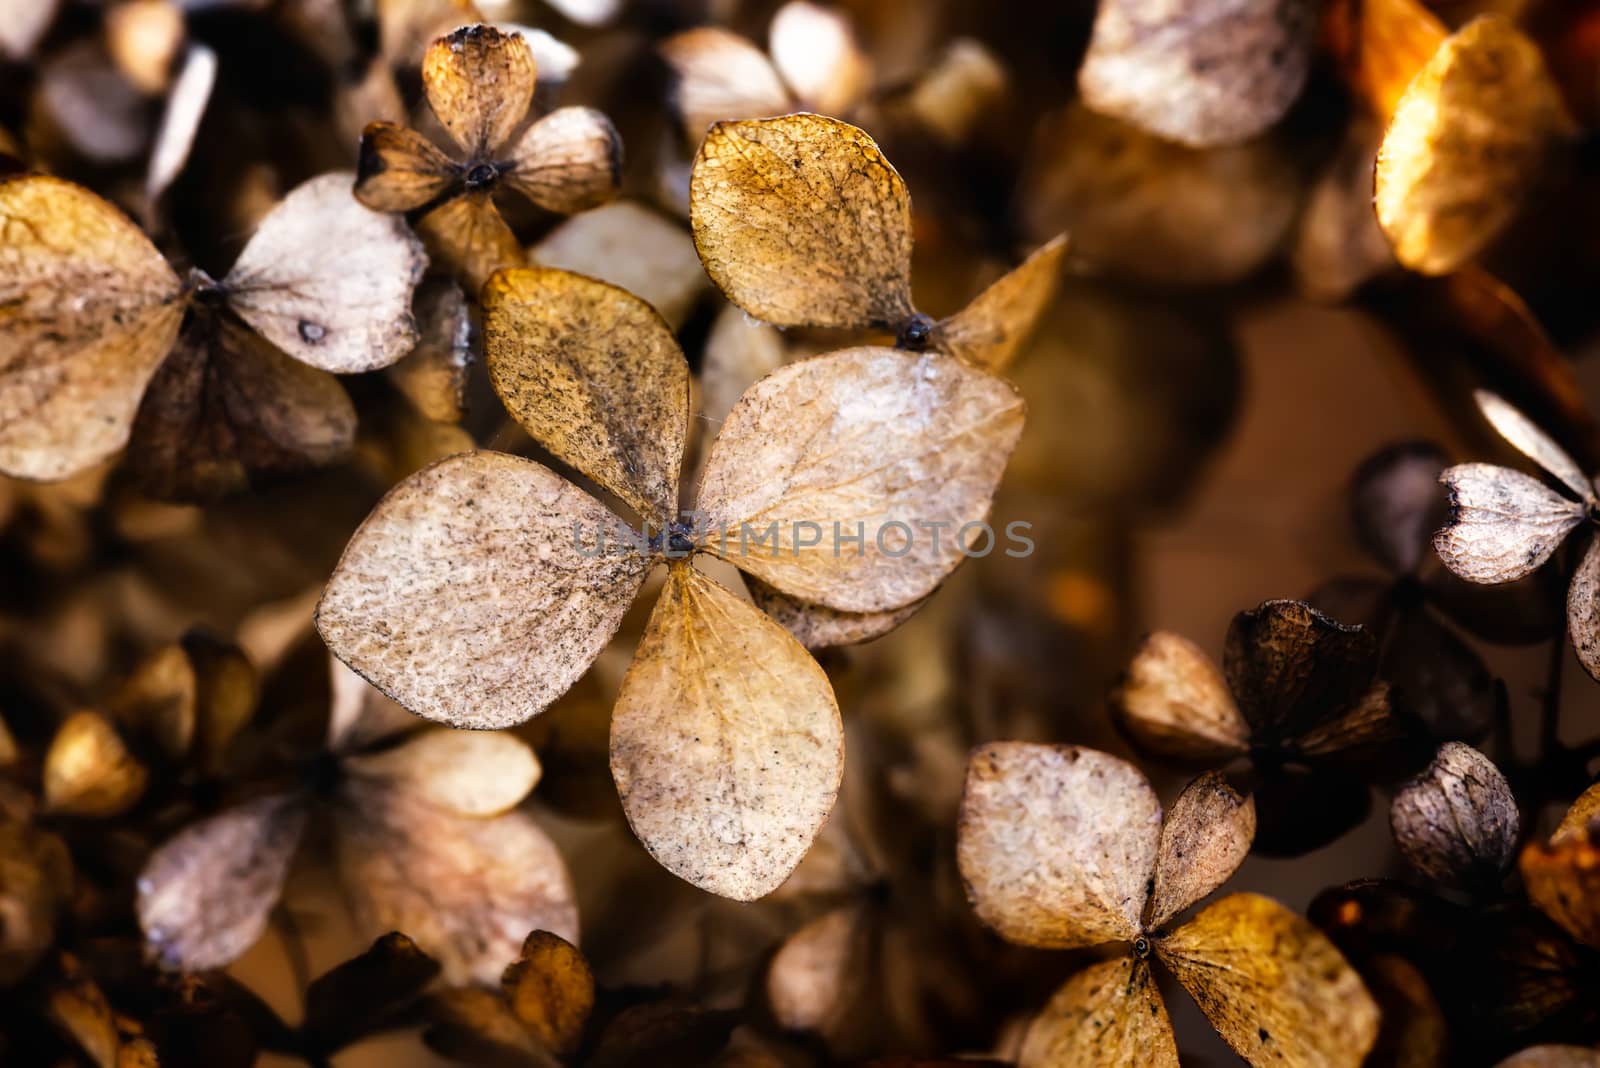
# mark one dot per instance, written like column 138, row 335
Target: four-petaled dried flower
column 101, row 339
column 480, row 589
column 479, row 82
column 1504, row 524
column 1063, row 848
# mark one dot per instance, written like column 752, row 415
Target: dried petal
column 1457, row 821
column 568, row 161
column 726, row 743
column 467, row 890
column 354, row 995
column 809, row 981
column 474, row 1026
column 180, row 121
column 79, row 1008
column 1467, row 143
column 1553, row 1057
column 1057, row 844
column 815, row 51
column 1396, row 38
column 1503, row 524
column 467, row 235
column 400, row 170
column 22, row 23
column 817, row 627
column 470, row 773
column 720, row 75
column 1563, row 881
column 801, row 221
column 1580, row 815
column 1437, row 679
column 595, row 376
column 205, row 895
column 1339, row 245
column 1201, row 75
column 159, row 700
column 433, row 376
column 1396, row 503
column 477, row 591
column 359, row 714
column 867, row 441
column 479, row 82
column 989, row 331
column 1175, row 702
column 1205, row 838
column 143, row 38
column 227, row 403
column 635, row 248
column 740, row 352
column 1108, row 1015
column 1272, row 985
column 551, row 990
column 1292, row 668
column 91, row 310
column 88, row 770
column 1533, row 443
column 329, row 281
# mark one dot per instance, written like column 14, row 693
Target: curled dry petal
column 1526, row 437
column 726, row 743
column 468, row 890
column 1563, row 880
column 817, row 627
column 1174, row 702
column 470, row 773
column 1291, row 668
column 815, row 51
column 1467, row 143
column 479, row 82
column 400, row 170
column 329, row 281
column 1503, row 523
column 595, row 376
column 205, row 895
column 1205, row 838
column 1272, row 985
column 88, row 770
column 568, row 161
column 801, row 221
column 989, row 332
column 91, row 311
column 477, row 591
column 1457, row 821
column 1057, row 844
column 1199, row 74
column 867, row 440
column 551, row 990
column 720, row 75
column 1106, row 1016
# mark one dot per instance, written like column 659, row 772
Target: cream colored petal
column 1109, row 1015
column 469, row 773
column 594, row 374
column 22, row 23
column 205, row 895
column 467, row 596
column 726, row 743
column 988, row 332
column 1272, row 985
column 1057, row 844
column 1174, row 702
column 359, row 713
column 810, row 978
column 1199, row 74
column 634, row 247
column 1533, row 443
column 466, row 890
column 479, row 83
column 801, row 221
column 328, row 280
column 817, row 627
column 904, row 449
column 90, row 311
column 721, row 76
column 1205, row 838
column 1503, row 523
column 569, row 161
column 740, row 352
column 815, row 50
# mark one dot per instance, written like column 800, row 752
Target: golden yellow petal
column 551, row 990
column 1107, row 1016
column 988, row 332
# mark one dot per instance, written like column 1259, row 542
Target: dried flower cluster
column 434, row 539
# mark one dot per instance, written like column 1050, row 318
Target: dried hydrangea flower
column 1457, row 823
column 1504, row 524
column 1203, row 74
column 1467, row 144
column 479, row 82
column 1298, row 694
column 815, row 65
column 801, row 221
column 480, row 589
column 211, row 379
column 427, row 839
column 1063, row 848
column 1562, row 876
